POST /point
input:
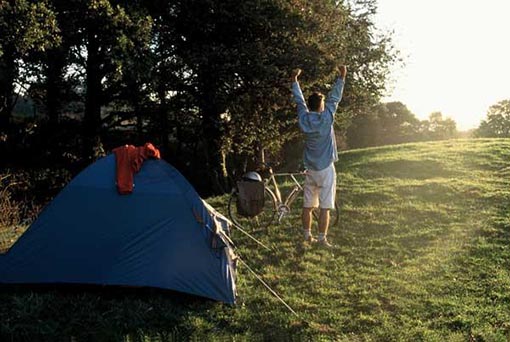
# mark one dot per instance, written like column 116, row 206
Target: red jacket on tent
column 129, row 160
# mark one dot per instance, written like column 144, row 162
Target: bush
column 10, row 218
column 23, row 194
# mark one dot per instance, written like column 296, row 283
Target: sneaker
column 310, row 239
column 325, row 243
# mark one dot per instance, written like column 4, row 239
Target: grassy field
column 422, row 253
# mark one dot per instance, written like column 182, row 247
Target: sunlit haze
column 456, row 56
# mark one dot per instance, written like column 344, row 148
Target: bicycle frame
column 279, row 205
column 283, row 204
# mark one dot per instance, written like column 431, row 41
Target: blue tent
column 163, row 235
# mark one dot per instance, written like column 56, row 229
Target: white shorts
column 320, row 188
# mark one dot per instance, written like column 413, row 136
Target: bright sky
column 456, row 52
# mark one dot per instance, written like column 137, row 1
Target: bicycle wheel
column 334, row 215
column 258, row 222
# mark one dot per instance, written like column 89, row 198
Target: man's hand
column 342, row 71
column 295, row 74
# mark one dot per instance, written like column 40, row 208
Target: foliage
column 16, row 211
column 393, row 123
column 438, row 128
column 10, row 214
column 421, row 253
column 497, row 124
column 388, row 123
column 25, row 27
column 206, row 80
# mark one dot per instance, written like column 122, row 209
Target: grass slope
column 422, row 252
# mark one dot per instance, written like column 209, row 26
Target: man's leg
column 306, row 217
column 323, row 227
column 327, row 202
column 324, row 221
column 310, row 201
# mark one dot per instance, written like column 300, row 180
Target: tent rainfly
column 162, row 235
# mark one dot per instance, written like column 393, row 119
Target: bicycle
column 275, row 206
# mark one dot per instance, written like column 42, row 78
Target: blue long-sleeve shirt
column 320, row 143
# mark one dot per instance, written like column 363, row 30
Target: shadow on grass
column 95, row 313
column 367, row 198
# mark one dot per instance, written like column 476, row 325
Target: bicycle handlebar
column 270, row 167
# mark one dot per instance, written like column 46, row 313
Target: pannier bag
column 250, row 198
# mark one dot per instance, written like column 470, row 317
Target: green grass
column 422, row 253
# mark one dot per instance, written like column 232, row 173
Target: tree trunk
column 162, row 130
column 139, row 118
column 212, row 130
column 261, row 158
column 215, row 163
column 93, row 98
column 54, row 81
column 7, row 76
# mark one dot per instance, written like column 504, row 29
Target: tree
column 231, row 58
column 239, row 56
column 25, row 27
column 386, row 123
column 106, row 35
column 438, row 128
column 394, row 123
column 208, row 79
column 397, row 124
column 497, row 123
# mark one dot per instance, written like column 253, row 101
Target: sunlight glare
column 456, row 56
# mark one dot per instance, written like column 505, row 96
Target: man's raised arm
column 335, row 95
column 298, row 94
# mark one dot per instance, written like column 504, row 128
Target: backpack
column 250, row 198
